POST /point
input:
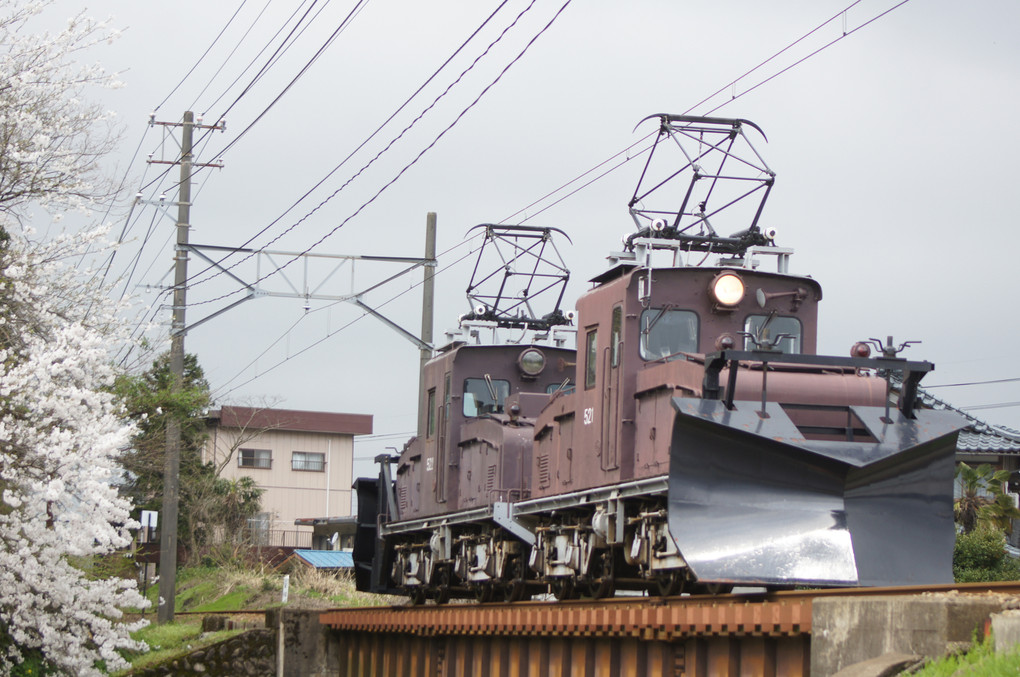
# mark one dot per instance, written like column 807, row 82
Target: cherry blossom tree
column 61, row 427
column 51, row 134
column 61, row 430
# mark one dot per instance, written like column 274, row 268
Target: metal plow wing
column 753, row 501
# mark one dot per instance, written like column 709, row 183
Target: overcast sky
column 895, row 149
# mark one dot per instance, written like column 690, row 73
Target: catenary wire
column 406, row 167
column 304, row 69
column 258, row 55
column 211, row 45
column 281, row 49
column 973, row 383
column 759, row 84
column 216, row 393
column 233, row 51
column 805, row 58
column 336, row 303
column 192, row 281
column 733, row 98
column 1000, row 405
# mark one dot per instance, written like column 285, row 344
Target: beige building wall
column 290, row 491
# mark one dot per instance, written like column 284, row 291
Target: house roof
column 293, row 420
column 326, row 559
column 978, row 437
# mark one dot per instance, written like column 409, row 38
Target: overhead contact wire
column 207, row 50
column 408, row 165
column 192, row 281
column 329, row 334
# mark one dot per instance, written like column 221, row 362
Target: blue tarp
column 327, row 559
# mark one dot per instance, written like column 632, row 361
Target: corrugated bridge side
column 724, row 636
column 638, row 636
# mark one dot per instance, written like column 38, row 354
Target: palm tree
column 982, row 497
column 1001, row 512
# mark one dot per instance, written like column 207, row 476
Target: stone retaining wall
column 250, row 654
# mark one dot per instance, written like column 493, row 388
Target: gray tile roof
column 978, row 437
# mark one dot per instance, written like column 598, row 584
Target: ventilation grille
column 543, row 470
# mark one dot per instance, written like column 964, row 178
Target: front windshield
column 666, row 332
column 790, row 326
column 478, row 400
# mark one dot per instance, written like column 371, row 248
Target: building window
column 307, row 460
column 254, row 458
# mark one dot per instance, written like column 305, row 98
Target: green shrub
column 980, row 556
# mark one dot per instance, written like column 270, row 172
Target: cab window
column 478, row 398
column 790, row 326
column 431, row 429
column 614, row 337
column 553, row 387
column 666, row 332
column 590, row 355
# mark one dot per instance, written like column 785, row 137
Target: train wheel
column 603, row 581
column 484, row 593
column 516, row 588
column 417, row 594
column 670, row 583
column 443, row 588
column 562, row 588
column 711, row 589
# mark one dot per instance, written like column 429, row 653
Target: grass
column 226, row 589
column 980, row 661
column 171, row 640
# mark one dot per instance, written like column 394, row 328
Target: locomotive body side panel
column 495, row 462
column 553, row 455
column 469, row 388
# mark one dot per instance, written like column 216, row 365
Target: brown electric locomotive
column 693, row 441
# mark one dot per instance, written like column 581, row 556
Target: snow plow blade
column 752, row 501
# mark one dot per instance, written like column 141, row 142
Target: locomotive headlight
column 531, row 362
column 727, row 289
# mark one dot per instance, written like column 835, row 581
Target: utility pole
column 427, row 305
column 172, row 461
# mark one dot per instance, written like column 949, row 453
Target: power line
column 734, row 97
column 304, row 69
column 259, row 54
column 732, row 83
column 284, row 46
column 581, row 176
column 339, row 329
column 226, row 60
column 817, row 51
column 973, row 383
column 211, row 45
column 343, row 162
column 407, row 166
column 1001, row 405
